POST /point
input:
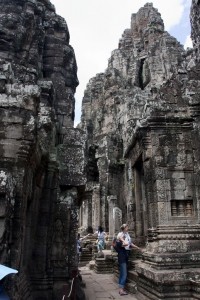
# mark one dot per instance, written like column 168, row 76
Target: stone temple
column 134, row 158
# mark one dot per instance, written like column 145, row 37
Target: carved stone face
column 11, row 31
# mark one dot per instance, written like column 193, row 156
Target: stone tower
column 141, row 118
column 41, row 154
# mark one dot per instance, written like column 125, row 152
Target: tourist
column 79, row 248
column 101, row 235
column 125, row 245
column 4, row 271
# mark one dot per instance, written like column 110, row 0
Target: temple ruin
column 134, row 157
column 41, row 154
column 141, row 118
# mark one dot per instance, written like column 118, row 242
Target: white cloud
column 188, row 42
column 96, row 26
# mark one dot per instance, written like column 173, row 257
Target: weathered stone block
column 71, row 158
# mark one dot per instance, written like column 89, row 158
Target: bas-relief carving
column 112, row 201
column 130, row 216
column 64, row 250
column 172, row 246
column 96, row 206
column 117, row 213
column 59, row 244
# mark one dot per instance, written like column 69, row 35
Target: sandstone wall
column 118, row 102
column 39, row 200
column 142, row 118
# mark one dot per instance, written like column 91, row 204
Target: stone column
column 84, row 214
column 96, row 207
column 138, row 198
column 86, row 211
column 112, row 200
column 117, row 220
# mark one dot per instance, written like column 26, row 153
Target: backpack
column 116, row 244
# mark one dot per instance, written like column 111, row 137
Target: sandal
column 123, row 293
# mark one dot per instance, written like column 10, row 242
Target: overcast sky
column 96, row 26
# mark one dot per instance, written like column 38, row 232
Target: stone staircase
column 86, row 256
column 104, row 265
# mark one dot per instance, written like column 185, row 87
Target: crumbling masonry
column 142, row 119
column 133, row 158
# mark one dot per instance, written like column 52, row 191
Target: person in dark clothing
column 79, row 248
column 3, row 295
column 4, row 271
column 123, row 264
column 124, row 247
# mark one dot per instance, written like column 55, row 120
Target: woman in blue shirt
column 101, row 239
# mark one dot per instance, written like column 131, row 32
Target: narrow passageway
column 101, row 286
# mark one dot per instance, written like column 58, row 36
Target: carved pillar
column 6, row 217
column 138, row 206
column 96, row 207
column 64, row 260
column 117, row 213
column 131, row 198
column 85, row 212
column 112, row 200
